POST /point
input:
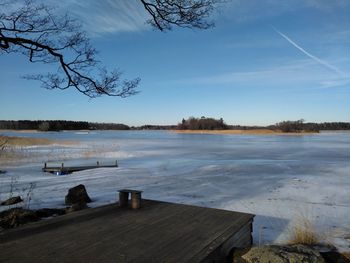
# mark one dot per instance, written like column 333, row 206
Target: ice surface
column 278, row 178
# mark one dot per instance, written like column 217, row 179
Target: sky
column 263, row 62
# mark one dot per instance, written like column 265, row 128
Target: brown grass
column 242, row 132
column 23, row 141
column 28, row 141
column 303, row 232
column 20, row 131
column 17, row 149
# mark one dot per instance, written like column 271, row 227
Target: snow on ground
column 278, row 192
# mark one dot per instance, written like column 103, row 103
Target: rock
column 76, row 207
column 237, row 254
column 12, row 201
column 76, row 195
column 283, row 254
column 17, row 216
column 2, row 172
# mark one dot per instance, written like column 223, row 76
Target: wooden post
column 123, row 198
column 116, row 163
column 45, row 165
column 98, row 163
column 135, row 200
column 62, row 165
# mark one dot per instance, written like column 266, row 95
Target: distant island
column 190, row 125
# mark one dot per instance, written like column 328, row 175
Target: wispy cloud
column 296, row 75
column 109, row 16
column 316, row 59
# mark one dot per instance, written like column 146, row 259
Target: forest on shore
column 192, row 123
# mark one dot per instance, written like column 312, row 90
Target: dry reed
column 303, row 232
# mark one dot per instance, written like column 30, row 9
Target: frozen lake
column 278, row 178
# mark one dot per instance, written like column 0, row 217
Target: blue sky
column 264, row 62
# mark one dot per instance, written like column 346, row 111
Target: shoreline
column 215, row 132
column 244, row 132
column 15, row 141
column 19, row 131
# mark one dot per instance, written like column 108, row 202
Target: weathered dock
column 157, row 232
column 70, row 169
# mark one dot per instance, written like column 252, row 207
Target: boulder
column 283, row 254
column 12, row 201
column 77, row 195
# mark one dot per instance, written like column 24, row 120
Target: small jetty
column 62, row 169
column 153, row 232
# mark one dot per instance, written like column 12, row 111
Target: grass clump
column 303, row 232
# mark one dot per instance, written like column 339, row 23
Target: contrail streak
column 318, row 60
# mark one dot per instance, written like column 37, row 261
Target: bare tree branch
column 183, row 13
column 36, row 31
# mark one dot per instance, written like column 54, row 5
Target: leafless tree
column 42, row 35
column 36, row 31
column 182, row 13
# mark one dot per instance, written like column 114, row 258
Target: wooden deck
column 70, row 169
column 157, row 232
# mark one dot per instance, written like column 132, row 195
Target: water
column 274, row 177
column 215, row 159
column 172, row 153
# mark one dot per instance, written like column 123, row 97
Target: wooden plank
column 242, row 238
column 208, row 229
column 71, row 169
column 157, row 232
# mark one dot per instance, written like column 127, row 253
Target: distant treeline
column 108, row 126
column 294, row 126
column 58, row 125
column 191, row 123
column 202, row 123
column 154, row 127
column 329, row 125
column 44, row 125
column 300, row 125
